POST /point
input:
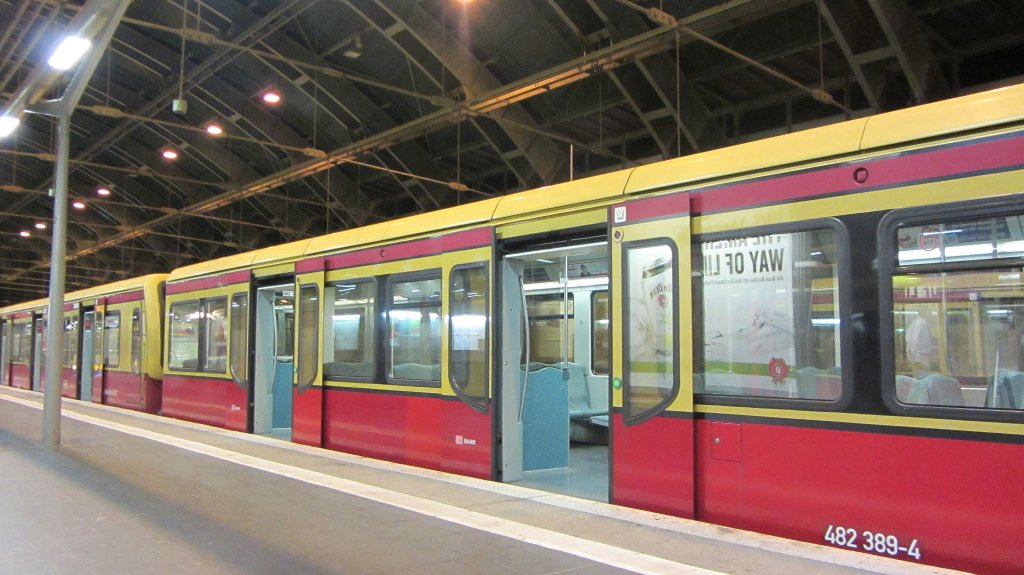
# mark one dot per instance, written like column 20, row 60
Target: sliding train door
column 308, row 389
column 274, row 342
column 652, row 391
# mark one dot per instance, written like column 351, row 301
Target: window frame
column 844, row 278
column 238, row 349
column 204, row 333
column 314, row 361
column 478, row 403
column 137, row 334
column 387, row 307
column 106, row 349
column 888, row 252
column 375, row 331
column 630, row 418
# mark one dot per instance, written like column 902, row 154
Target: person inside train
column 921, row 348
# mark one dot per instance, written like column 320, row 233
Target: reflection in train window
column 467, row 332
column 771, row 316
column 183, row 344
column 349, row 344
column 21, row 347
column 239, row 343
column 215, row 335
column 414, row 325
column 651, row 295
column 70, row 356
column 958, row 314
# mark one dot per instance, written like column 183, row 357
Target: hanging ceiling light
column 214, row 129
column 272, row 97
column 78, row 205
column 40, row 225
column 103, row 191
column 7, row 125
column 24, row 234
column 169, row 154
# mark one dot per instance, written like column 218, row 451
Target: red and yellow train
column 818, row 335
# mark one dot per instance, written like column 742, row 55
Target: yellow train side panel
column 435, row 222
column 570, row 194
column 987, row 109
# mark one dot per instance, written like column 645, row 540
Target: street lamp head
column 69, row 52
column 7, row 125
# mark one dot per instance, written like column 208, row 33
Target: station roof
column 402, row 107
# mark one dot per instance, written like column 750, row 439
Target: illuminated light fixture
column 214, row 129
column 24, row 234
column 8, row 125
column 40, row 226
column 78, row 205
column 69, row 52
column 271, row 97
column 103, row 191
column 169, row 154
column 355, row 50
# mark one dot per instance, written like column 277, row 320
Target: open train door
column 308, row 398
column 652, row 427
column 99, row 356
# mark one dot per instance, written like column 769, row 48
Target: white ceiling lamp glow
column 40, row 226
column 103, row 191
column 214, row 129
column 272, row 97
column 69, row 52
column 78, row 205
column 25, row 234
column 169, row 154
column 8, row 125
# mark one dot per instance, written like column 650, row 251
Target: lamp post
column 99, row 19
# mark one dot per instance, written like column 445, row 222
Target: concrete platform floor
column 131, row 493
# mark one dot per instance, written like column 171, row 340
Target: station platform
column 130, row 493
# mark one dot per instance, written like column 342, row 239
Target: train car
column 815, row 336
column 111, row 346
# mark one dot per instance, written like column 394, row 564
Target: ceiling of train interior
column 395, row 107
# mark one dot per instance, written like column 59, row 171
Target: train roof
column 1003, row 106
column 113, row 288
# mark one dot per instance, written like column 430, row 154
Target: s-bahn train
column 818, row 336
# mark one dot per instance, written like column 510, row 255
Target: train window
column 309, row 331
column 97, row 347
column 112, row 339
column 70, row 356
column 183, row 343
column 600, row 351
column 549, row 341
column 467, row 333
column 650, row 374
column 239, row 344
column 771, row 317
column 21, row 344
column 957, row 314
column 349, row 344
column 215, row 336
column 414, row 325
column 136, row 359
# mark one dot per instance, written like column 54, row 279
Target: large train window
column 349, row 344
column 239, row 344
column 21, row 346
column 467, row 333
column 70, row 356
column 136, row 359
column 414, row 326
column 183, row 345
column 956, row 312
column 769, row 302
column 112, row 339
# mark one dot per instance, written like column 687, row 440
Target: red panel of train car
column 652, row 465
column 801, row 483
column 425, row 431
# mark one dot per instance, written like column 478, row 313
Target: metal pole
column 55, row 321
